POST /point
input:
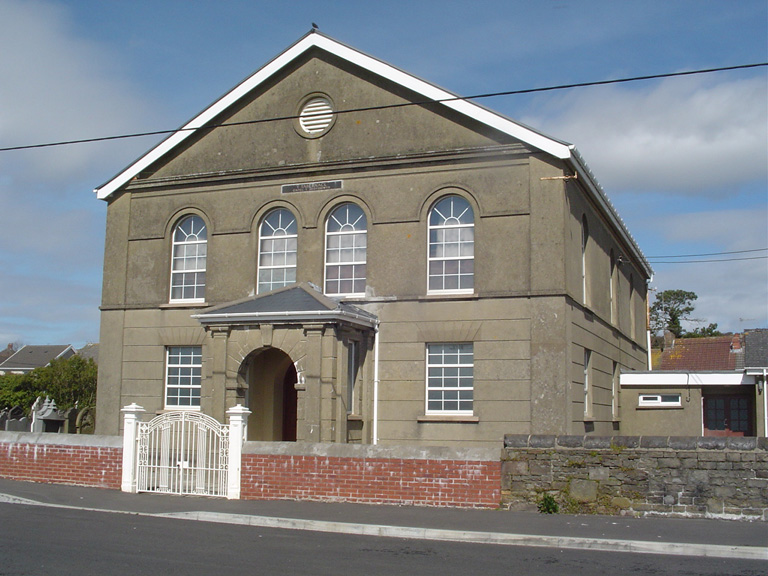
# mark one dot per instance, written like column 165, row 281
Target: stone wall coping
column 370, row 451
column 744, row 443
column 51, row 439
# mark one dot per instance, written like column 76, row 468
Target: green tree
column 669, row 309
column 704, row 331
column 68, row 382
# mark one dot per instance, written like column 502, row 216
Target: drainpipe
column 376, row 384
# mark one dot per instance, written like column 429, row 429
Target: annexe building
column 357, row 255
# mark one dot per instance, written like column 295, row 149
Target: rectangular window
column 450, row 378
column 184, row 367
column 615, row 391
column 587, row 384
column 659, row 400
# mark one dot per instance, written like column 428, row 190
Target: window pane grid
column 346, row 251
column 184, row 366
column 451, row 246
column 189, row 259
column 278, row 246
column 450, row 378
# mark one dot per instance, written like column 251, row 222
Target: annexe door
column 728, row 416
column 183, row 452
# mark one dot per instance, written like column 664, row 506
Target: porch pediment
column 298, row 304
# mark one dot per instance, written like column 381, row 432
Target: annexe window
column 190, row 249
column 659, row 400
column 278, row 237
column 184, row 366
column 450, row 378
column 451, row 246
column 345, row 251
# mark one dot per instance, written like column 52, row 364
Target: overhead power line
column 710, row 254
column 715, row 260
column 402, row 105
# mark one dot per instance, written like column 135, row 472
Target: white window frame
column 451, row 223
column 186, row 266
column 584, row 260
column 439, row 371
column 588, row 385
column 615, row 391
column 673, row 400
column 183, row 371
column 277, row 226
column 352, row 229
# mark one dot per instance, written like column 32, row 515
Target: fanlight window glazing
column 345, row 251
column 190, row 248
column 278, row 238
column 451, row 246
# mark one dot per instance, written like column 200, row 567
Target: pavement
column 650, row 535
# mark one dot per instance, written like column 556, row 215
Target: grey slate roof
column 31, row 357
column 756, row 348
column 292, row 304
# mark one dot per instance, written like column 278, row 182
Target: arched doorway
column 270, row 377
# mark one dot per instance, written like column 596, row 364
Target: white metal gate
column 183, row 453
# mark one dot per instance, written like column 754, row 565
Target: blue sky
column 684, row 160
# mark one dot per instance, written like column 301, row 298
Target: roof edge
column 317, row 39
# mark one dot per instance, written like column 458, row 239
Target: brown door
column 728, row 416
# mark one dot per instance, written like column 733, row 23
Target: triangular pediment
column 385, row 112
column 296, row 304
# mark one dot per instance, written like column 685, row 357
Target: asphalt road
column 37, row 540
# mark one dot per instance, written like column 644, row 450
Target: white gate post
column 238, row 418
column 130, row 431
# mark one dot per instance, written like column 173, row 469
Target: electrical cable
column 389, row 106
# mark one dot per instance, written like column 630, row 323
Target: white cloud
column 733, row 294
column 692, row 135
column 56, row 86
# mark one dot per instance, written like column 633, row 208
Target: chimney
column 669, row 339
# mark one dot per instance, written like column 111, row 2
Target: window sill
column 450, row 296
column 467, row 419
column 189, row 304
column 659, row 408
column 179, row 409
column 354, row 418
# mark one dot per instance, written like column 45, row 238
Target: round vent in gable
column 316, row 115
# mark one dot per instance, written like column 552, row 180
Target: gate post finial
column 238, row 417
column 130, row 430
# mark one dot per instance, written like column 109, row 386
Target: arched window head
column 451, row 246
column 345, row 251
column 190, row 249
column 278, row 236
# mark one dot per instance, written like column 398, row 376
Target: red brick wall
column 82, row 465
column 372, row 480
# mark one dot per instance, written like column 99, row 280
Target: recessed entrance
column 270, row 377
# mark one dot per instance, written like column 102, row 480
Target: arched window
column 278, row 236
column 613, row 289
column 345, row 251
column 190, row 248
column 451, row 246
column 584, row 243
column 632, row 317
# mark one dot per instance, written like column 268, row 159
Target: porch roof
column 296, row 304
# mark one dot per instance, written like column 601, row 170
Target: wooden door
column 728, row 416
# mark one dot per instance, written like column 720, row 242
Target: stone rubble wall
column 659, row 475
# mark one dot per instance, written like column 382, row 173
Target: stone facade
column 547, row 288
column 667, row 475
